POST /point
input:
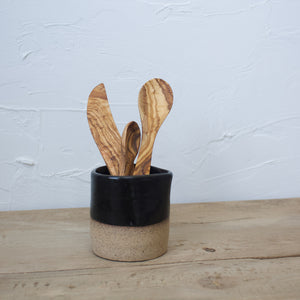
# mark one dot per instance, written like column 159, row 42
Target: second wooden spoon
column 130, row 147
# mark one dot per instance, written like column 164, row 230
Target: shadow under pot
column 130, row 214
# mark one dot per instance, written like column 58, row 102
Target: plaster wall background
column 234, row 66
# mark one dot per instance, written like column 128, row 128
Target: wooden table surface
column 224, row 250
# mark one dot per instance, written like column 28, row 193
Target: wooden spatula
column 104, row 129
column 155, row 102
column 129, row 147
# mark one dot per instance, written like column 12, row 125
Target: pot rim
column 161, row 172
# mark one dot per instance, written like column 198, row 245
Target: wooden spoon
column 129, row 147
column 155, row 102
column 104, row 129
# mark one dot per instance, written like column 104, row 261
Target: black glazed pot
column 130, row 214
column 130, row 200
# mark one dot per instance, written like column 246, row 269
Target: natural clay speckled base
column 126, row 243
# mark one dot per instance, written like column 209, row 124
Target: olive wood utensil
column 155, row 103
column 104, row 129
column 129, row 147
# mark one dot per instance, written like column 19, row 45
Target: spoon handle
column 104, row 129
column 129, row 147
column 143, row 163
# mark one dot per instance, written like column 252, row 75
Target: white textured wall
column 234, row 66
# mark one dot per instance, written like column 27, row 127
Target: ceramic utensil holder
column 130, row 214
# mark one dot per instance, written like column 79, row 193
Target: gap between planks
column 142, row 264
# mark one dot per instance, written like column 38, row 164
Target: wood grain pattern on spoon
column 104, row 129
column 155, row 103
column 129, row 147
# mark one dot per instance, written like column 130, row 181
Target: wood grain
column 247, row 279
column 155, row 103
column 224, row 250
column 104, row 129
column 129, row 147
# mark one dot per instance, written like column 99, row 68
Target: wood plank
column 53, row 240
column 246, row 279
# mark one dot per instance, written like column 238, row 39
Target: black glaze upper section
column 130, row 200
